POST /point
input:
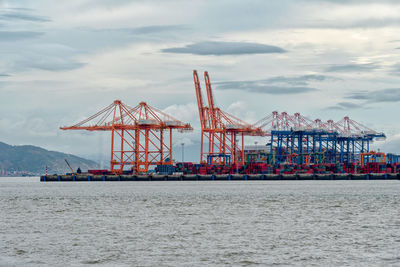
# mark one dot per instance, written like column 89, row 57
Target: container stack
column 165, row 169
column 264, row 168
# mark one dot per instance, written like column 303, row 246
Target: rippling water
column 307, row 223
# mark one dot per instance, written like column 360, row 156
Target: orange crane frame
column 289, row 157
column 140, row 136
column 220, row 128
column 372, row 154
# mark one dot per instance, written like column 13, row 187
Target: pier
column 226, row 177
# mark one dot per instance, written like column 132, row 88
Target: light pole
column 134, row 150
column 236, row 156
column 134, row 154
column 183, row 146
column 255, row 143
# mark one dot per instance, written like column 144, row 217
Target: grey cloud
column 4, row 75
column 49, row 62
column 279, row 85
column 385, row 95
column 261, row 87
column 280, row 90
column 300, row 80
column 345, row 106
column 89, row 39
column 157, row 29
column 351, row 67
column 23, row 14
column 391, row 145
column 361, row 23
column 225, row 48
column 369, row 23
column 152, row 29
column 52, row 64
column 57, row 49
column 396, row 69
column 375, row 23
column 355, row 1
column 17, row 8
column 7, row 36
column 19, row 16
column 361, row 95
column 45, row 56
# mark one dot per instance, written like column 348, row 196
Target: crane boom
column 72, row 171
column 199, row 97
column 210, row 97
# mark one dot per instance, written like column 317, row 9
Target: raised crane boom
column 200, row 103
column 220, row 128
column 210, row 98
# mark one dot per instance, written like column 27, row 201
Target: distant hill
column 33, row 160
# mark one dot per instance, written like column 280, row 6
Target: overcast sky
column 61, row 61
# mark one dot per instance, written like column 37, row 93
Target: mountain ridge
column 32, row 160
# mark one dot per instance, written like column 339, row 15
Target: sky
column 62, row 61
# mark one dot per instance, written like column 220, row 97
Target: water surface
column 306, row 223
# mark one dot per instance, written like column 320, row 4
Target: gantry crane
column 339, row 141
column 140, row 136
column 219, row 128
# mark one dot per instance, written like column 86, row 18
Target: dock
column 226, row 177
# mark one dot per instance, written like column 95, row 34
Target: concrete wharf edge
column 222, row 177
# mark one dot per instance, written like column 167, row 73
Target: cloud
column 152, row 29
column 352, row 67
column 51, row 64
column 7, row 36
column 279, row 85
column 157, row 29
column 4, row 75
column 396, row 68
column 50, row 57
column 20, row 14
column 300, row 80
column 385, row 95
column 119, row 42
column 367, row 23
column 345, row 106
column 225, row 48
column 185, row 113
column 260, row 87
column 355, row 1
column 33, row 126
column 242, row 111
column 344, row 15
column 391, row 144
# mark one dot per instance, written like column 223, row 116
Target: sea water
column 241, row 223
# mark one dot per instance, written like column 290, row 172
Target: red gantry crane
column 140, row 136
column 220, row 129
